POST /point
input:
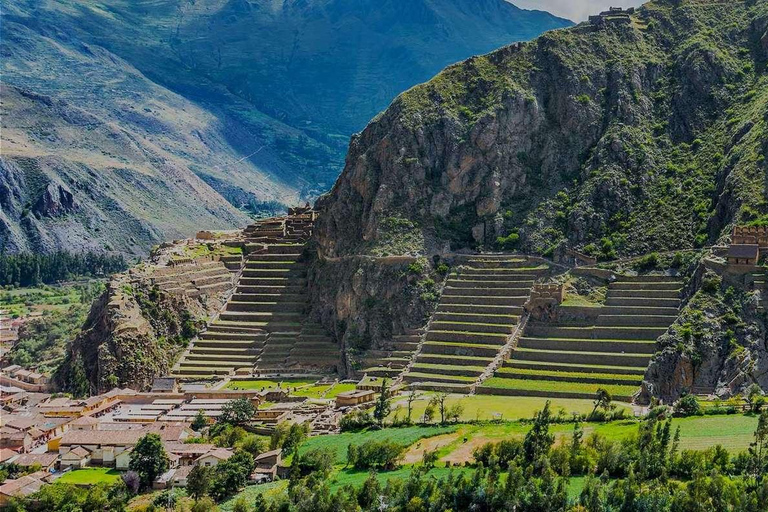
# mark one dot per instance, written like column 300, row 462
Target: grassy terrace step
column 478, row 318
column 589, row 345
column 573, row 376
column 559, row 388
column 640, row 285
column 259, row 316
column 653, row 310
column 494, row 328
column 483, row 300
column 600, row 332
column 516, row 290
column 454, row 360
column 584, row 368
column 442, row 369
column 644, row 294
column 431, row 377
column 380, row 371
column 482, row 338
column 442, row 387
column 500, row 279
column 636, row 320
column 579, row 357
column 460, row 349
column 673, row 303
column 271, row 290
column 231, row 343
column 275, row 307
column 476, row 308
column 213, row 363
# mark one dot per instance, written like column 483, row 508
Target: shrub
column 375, row 454
column 688, row 406
column 508, row 242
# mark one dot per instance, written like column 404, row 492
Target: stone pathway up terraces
column 479, row 309
column 264, row 327
column 610, row 348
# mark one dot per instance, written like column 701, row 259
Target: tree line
column 27, row 269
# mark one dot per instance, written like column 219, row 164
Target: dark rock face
column 56, row 201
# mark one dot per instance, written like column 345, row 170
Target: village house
column 742, row 254
column 266, row 465
column 213, row 457
column 356, row 397
column 18, row 488
column 45, row 461
column 188, row 453
column 77, row 457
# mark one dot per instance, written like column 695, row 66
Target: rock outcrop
column 611, row 140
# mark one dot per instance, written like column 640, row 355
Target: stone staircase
column 759, row 281
column 479, row 309
column 609, row 347
column 264, row 328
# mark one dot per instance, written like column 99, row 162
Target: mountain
column 253, row 101
column 617, row 138
column 614, row 139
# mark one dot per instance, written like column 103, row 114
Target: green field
column 490, row 407
column 268, row 384
column 404, row 436
column 90, row 476
column 554, row 386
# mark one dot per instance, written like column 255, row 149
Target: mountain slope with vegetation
column 616, row 139
column 122, row 119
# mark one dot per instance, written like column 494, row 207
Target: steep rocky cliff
column 641, row 134
column 142, row 323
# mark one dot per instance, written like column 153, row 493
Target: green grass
column 339, row 388
column 268, row 384
column 269, row 490
column 430, row 366
column 90, row 476
column 404, row 436
column 312, row 391
column 490, row 407
column 356, row 478
column 552, row 386
column 430, row 376
column 503, row 372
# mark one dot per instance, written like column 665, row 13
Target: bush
column 375, row 455
column 688, row 406
column 649, row 262
column 509, row 242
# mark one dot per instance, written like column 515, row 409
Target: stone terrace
column 478, row 312
column 264, row 327
column 610, row 348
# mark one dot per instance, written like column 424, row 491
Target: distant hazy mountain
column 254, row 99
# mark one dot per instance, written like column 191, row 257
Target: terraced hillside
column 193, row 277
column 263, row 328
column 480, row 308
column 610, row 348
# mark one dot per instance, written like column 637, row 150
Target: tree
column 758, row 449
column 199, row 481
column 429, row 412
column 382, row 409
column 454, row 412
column 412, row 396
column 602, row 400
column 149, row 459
column 237, row 412
column 232, row 474
column 754, row 397
column 538, row 440
column 439, row 401
column 200, row 421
